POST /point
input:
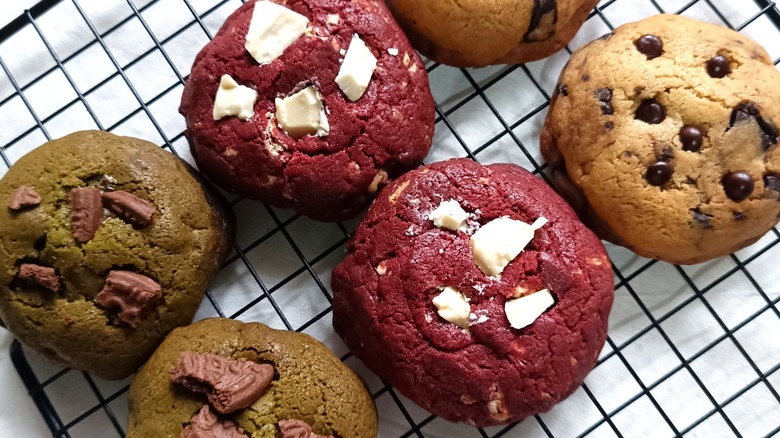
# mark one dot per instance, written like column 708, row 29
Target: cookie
column 106, row 244
column 231, row 378
column 663, row 135
column 475, row 291
column 479, row 33
column 308, row 104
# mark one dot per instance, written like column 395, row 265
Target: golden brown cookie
column 663, row 135
column 106, row 244
column 475, row 33
column 310, row 388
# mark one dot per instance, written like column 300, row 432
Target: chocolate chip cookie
column 232, row 379
column 663, row 135
column 106, row 244
column 475, row 291
column 478, row 33
column 308, row 104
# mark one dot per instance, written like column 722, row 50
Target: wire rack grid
column 692, row 350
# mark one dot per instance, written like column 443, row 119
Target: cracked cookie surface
column 310, row 384
column 475, row 33
column 684, row 164
column 376, row 138
column 478, row 369
column 54, row 290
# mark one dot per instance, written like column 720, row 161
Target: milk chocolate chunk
column 296, row 429
column 230, row 385
column 43, row 276
column 650, row 46
column 86, row 212
column 747, row 111
column 132, row 209
column 206, row 424
column 542, row 23
column 772, row 182
column 23, row 197
column 132, row 293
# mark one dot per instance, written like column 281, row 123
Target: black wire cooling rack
column 692, row 350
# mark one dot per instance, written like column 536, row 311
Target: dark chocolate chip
column 650, row 111
column 43, row 276
column 40, row 243
column 604, row 95
column 701, row 218
column 738, row 216
column 737, row 185
column 607, row 36
column 86, row 211
column 659, row 173
column 563, row 90
column 23, row 197
column 585, row 77
column 746, row 111
column 718, row 67
column 772, row 182
column 543, row 18
column 609, row 126
column 650, row 46
column 691, row 138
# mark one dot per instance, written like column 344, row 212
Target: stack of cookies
column 479, row 292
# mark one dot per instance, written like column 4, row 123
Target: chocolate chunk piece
column 650, row 46
column 229, row 384
column 701, row 218
column 659, row 173
column 607, row 36
column 718, row 67
column 23, row 197
column 609, row 126
column 772, row 182
column 206, row 424
column 86, row 212
column 43, row 276
column 132, row 293
column 542, row 25
column 737, row 185
column 738, row 216
column 563, row 90
column 747, row 111
column 691, row 138
column 129, row 207
column 650, row 111
column 604, row 95
column 296, row 429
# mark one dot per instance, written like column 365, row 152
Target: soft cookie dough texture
column 333, row 172
column 475, row 33
column 453, row 352
column 663, row 135
column 310, row 384
column 180, row 249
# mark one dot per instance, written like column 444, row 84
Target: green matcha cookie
column 228, row 378
column 106, row 244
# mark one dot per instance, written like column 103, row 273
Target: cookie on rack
column 479, row 33
column 475, row 291
column 663, row 135
column 106, row 244
column 246, row 379
column 308, row 104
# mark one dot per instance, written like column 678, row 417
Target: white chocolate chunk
column 453, row 306
column 449, row 214
column 392, row 51
column 272, row 30
column 302, row 114
column 233, row 100
column 356, row 70
column 523, row 311
column 499, row 241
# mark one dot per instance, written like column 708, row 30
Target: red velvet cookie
column 475, row 291
column 307, row 120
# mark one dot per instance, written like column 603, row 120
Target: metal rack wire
column 692, row 350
